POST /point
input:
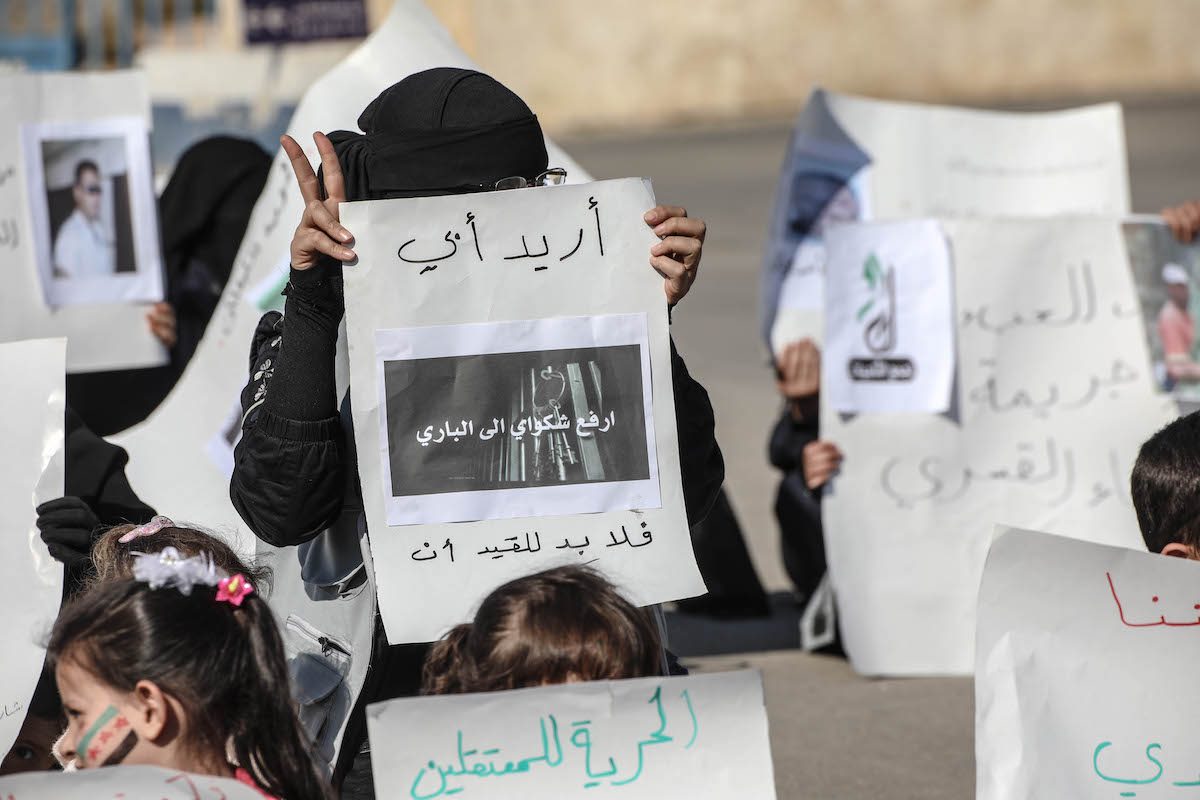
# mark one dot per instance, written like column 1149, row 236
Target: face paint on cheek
column 107, row 741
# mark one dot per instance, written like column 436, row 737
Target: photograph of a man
column 84, row 247
column 90, row 193
column 1176, row 329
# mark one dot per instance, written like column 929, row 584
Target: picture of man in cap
column 1176, row 330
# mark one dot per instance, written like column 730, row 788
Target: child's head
column 194, row 681
column 113, row 552
column 558, row 626
column 1165, row 486
column 33, row 749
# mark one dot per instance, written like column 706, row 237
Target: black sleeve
column 288, row 479
column 788, row 439
column 701, row 465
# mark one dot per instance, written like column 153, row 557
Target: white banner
column 854, row 159
column 1053, row 398
column 701, row 736
column 127, row 783
column 1083, row 672
column 31, row 472
column 78, row 218
column 513, row 408
column 181, row 456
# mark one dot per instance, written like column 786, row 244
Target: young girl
column 181, row 667
column 559, row 626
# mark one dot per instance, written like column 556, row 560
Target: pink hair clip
column 152, row 527
column 233, row 590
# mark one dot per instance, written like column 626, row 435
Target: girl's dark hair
column 113, row 560
column 225, row 665
column 554, row 626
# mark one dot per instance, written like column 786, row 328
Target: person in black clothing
column 807, row 463
column 203, row 213
column 441, row 131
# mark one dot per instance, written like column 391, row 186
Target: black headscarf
column 441, row 131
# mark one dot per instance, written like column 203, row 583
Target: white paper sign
column 31, row 472
column 1053, row 398
column 169, row 464
column 929, row 160
column 126, row 783
column 1082, row 681
column 854, row 158
column 890, row 326
column 78, row 218
column 583, row 345
column 701, row 736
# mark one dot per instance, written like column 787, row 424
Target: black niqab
column 441, row 131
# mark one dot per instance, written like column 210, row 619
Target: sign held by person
column 78, row 217
column 1083, row 666
column 31, row 424
column 1051, row 398
column 510, row 377
column 700, row 736
column 853, row 159
column 125, row 782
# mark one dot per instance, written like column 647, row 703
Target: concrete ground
column 834, row 734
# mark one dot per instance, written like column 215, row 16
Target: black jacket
column 289, row 476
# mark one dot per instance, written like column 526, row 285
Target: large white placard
column 854, row 158
column 701, row 736
column 78, row 218
column 1083, row 673
column 564, row 269
column 890, row 327
column 1053, row 398
column 127, row 783
column 170, row 465
column 31, row 472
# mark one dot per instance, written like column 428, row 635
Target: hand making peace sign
column 319, row 230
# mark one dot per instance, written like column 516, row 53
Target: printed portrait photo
column 1165, row 275
column 93, row 211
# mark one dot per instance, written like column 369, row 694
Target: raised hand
column 319, row 231
column 1183, row 220
column 161, row 318
column 798, row 370
column 676, row 256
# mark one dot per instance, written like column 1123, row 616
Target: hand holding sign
column 821, row 460
column 798, row 370
column 1183, row 220
column 677, row 256
column 319, row 230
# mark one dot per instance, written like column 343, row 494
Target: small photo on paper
column 517, row 419
column 92, row 207
column 1167, row 276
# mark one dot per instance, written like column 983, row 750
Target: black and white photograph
column 92, row 208
column 567, row 426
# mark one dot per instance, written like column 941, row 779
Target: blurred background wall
column 638, row 64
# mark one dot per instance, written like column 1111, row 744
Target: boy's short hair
column 1165, row 485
